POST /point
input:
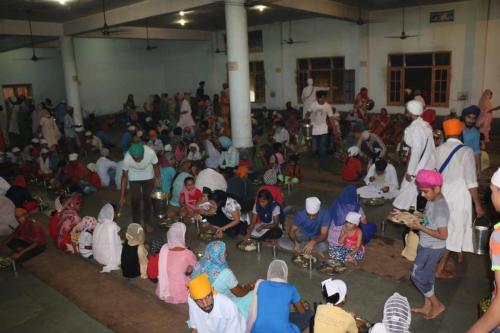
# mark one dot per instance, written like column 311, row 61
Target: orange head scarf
column 452, row 127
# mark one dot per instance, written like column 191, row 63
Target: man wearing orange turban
column 455, row 161
column 210, row 312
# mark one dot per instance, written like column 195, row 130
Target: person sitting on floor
column 347, row 202
column 270, row 183
column 351, row 247
column 68, row 219
column 270, row 311
column 155, row 143
column 241, row 187
column 353, row 169
column 211, row 312
column 381, row 181
column 106, row 243
column 331, row 317
column 214, row 264
column 189, row 198
column 106, row 168
column 178, row 183
column 20, row 195
column 175, row 264
column 86, row 228
column 266, row 220
column 309, row 230
column 226, row 217
column 397, row 316
column 210, row 177
column 134, row 256
column 194, row 154
column 28, row 239
column 229, row 157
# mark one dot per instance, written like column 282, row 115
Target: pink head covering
column 429, row 178
column 176, row 235
column 175, row 238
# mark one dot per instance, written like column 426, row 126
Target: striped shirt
column 495, row 248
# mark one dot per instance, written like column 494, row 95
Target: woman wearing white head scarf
column 271, row 304
column 176, row 263
column 106, row 243
column 397, row 316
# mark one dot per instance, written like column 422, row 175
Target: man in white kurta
column 308, row 96
column 418, row 136
column 211, row 312
column 459, row 189
column 105, row 167
column 381, row 181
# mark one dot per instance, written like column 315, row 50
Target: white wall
column 111, row 69
column 45, row 76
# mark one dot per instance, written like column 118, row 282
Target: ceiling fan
column 106, row 29
column 403, row 35
column 149, row 47
column 290, row 40
column 34, row 57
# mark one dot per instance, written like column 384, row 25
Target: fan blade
column 398, row 37
column 299, row 42
column 409, row 36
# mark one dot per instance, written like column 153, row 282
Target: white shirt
column 84, row 241
column 4, row 186
column 281, row 135
column 309, row 96
column 418, row 136
column 211, row 179
column 224, row 317
column 319, row 113
column 142, row 170
column 389, row 178
column 103, row 166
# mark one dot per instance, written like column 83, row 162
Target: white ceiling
column 386, row 4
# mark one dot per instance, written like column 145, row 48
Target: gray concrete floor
column 30, row 306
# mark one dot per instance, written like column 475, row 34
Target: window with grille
column 427, row 72
column 327, row 72
column 257, row 82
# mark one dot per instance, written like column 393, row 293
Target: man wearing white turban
column 418, row 136
column 309, row 230
column 309, row 95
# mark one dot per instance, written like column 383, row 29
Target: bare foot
column 435, row 311
column 423, row 310
column 445, row 275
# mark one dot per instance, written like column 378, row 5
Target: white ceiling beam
column 21, row 28
column 324, row 7
column 154, row 33
column 130, row 13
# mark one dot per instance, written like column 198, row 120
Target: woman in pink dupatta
column 176, row 262
column 68, row 219
column 486, row 116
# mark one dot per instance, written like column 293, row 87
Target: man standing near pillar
column 140, row 168
column 418, row 136
column 455, row 161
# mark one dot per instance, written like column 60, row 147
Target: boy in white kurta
column 459, row 189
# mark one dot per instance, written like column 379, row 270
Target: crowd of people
column 182, row 147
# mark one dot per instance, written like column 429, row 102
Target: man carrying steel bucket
column 140, row 168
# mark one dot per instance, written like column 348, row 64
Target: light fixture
column 182, row 22
column 260, row 8
column 181, row 13
column 62, row 2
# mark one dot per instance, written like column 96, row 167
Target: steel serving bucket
column 307, row 131
column 480, row 237
column 160, row 203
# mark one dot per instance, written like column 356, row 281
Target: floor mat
column 383, row 258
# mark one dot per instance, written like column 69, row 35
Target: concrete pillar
column 238, row 72
column 71, row 79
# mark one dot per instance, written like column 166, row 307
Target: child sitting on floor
column 432, row 244
column 351, row 238
column 352, row 169
column 86, row 227
column 189, row 198
column 331, row 317
column 134, row 257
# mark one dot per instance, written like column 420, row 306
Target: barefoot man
column 455, row 161
column 432, row 244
